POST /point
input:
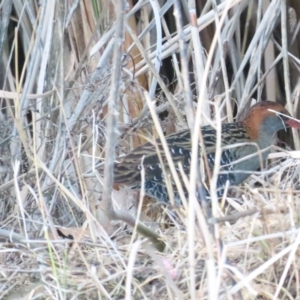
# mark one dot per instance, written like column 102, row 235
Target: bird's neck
column 266, row 139
column 261, row 133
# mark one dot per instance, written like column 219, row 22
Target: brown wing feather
column 128, row 170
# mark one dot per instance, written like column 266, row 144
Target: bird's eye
column 283, row 120
column 283, row 117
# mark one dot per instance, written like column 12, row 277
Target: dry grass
column 59, row 76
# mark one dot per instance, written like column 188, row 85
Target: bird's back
column 128, row 170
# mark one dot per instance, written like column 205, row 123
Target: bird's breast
column 246, row 160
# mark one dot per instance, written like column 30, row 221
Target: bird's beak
column 293, row 123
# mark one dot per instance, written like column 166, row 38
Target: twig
column 112, row 134
column 113, row 104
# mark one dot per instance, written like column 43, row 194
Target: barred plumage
column 257, row 131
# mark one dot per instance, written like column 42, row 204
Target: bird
column 257, row 131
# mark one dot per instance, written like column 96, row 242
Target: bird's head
column 266, row 118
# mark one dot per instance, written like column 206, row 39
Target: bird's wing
column 128, row 170
column 232, row 134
